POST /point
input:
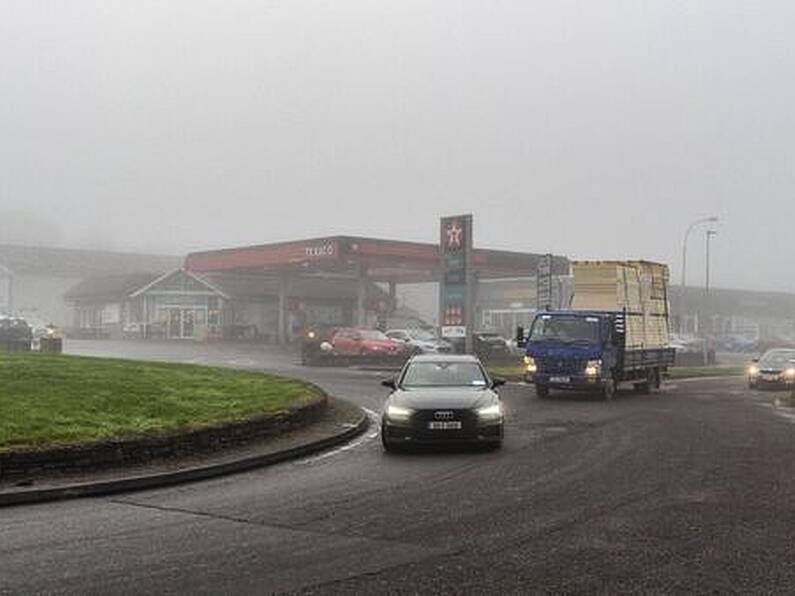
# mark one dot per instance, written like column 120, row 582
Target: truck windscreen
column 565, row 329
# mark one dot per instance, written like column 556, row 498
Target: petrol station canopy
column 378, row 260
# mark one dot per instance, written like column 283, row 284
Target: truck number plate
column 560, row 379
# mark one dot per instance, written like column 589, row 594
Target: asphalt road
column 686, row 491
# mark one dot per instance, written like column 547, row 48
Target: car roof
column 445, row 358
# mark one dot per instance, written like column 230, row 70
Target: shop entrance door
column 181, row 323
column 174, row 323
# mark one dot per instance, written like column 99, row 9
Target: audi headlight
column 530, row 364
column 398, row 413
column 753, row 370
column 593, row 368
column 492, row 412
column 789, row 374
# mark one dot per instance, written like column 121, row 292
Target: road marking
column 374, row 420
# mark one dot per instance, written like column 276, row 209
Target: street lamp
column 709, row 235
column 702, row 220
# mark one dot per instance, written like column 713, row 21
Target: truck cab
column 570, row 350
column 586, row 350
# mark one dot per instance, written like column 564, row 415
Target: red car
column 365, row 342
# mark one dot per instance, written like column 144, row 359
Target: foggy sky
column 590, row 129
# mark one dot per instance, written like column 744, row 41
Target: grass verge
column 59, row 400
column 506, row 371
column 691, row 372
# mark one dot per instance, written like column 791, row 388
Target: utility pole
column 709, row 235
column 713, row 219
column 708, row 327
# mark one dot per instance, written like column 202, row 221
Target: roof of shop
column 67, row 262
column 109, row 287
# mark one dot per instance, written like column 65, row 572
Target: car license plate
column 770, row 377
column 560, row 379
column 446, row 425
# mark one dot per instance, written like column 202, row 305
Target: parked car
column 774, row 370
column 15, row 334
column 490, row 345
column 365, row 343
column 420, row 341
column 132, row 331
column 441, row 398
column 316, row 343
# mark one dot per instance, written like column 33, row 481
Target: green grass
column 689, row 372
column 515, row 371
column 58, row 400
column 506, row 371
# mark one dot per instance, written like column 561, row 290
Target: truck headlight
column 398, row 413
column 593, row 368
column 493, row 412
column 530, row 364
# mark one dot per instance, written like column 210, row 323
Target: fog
column 589, row 129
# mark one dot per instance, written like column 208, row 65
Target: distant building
column 33, row 280
column 751, row 314
column 5, row 291
column 273, row 292
column 181, row 305
column 102, row 304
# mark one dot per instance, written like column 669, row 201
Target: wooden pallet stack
column 637, row 288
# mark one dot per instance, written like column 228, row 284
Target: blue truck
column 592, row 348
column 586, row 350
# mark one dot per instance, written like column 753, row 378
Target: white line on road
column 367, row 438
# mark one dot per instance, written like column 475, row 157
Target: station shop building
column 272, row 292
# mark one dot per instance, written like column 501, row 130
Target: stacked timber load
column 637, row 288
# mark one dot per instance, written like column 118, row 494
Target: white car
column 420, row 341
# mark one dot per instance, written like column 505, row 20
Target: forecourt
column 685, row 491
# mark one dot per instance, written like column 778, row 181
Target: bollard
column 51, row 345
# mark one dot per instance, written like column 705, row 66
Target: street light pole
column 708, row 330
column 697, row 222
column 709, row 235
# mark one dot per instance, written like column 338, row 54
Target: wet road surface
column 685, row 491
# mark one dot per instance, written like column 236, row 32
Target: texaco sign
column 320, row 251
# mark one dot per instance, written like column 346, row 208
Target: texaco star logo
column 455, row 235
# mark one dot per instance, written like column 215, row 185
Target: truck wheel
column 542, row 391
column 656, row 381
column 608, row 390
column 644, row 387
